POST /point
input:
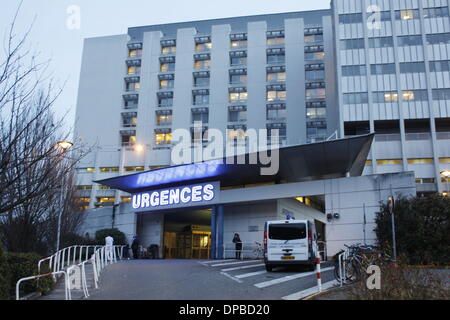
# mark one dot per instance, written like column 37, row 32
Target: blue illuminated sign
column 185, row 196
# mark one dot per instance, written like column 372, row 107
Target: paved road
column 202, row 280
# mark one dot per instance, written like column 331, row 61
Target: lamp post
column 64, row 146
column 446, row 175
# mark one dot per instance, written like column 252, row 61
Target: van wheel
column 269, row 268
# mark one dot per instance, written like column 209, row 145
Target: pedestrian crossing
column 297, row 283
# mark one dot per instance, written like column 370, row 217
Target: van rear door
column 287, row 242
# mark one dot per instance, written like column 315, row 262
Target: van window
column 291, row 231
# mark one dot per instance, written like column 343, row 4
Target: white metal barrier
column 250, row 250
column 70, row 260
column 66, row 283
column 342, row 259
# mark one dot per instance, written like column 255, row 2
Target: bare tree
column 32, row 166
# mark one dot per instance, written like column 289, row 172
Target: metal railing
column 342, row 259
column 322, row 250
column 69, row 261
column 66, row 257
column 250, row 250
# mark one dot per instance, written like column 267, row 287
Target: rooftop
column 238, row 24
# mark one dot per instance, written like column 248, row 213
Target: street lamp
column 64, row 145
column 446, row 175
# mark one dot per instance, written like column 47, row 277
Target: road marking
column 244, row 267
column 232, row 263
column 288, row 278
column 247, row 275
column 231, row 277
column 216, row 261
column 305, row 293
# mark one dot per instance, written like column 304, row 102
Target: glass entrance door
column 187, row 245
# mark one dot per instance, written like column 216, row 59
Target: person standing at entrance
column 135, row 247
column 238, row 243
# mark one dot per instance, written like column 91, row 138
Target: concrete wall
column 102, row 218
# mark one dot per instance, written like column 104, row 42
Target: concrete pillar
column 219, row 230
column 213, row 232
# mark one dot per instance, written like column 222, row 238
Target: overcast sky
column 55, row 40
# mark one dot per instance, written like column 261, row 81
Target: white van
column 290, row 242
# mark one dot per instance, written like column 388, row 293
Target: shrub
column 119, row 236
column 401, row 282
column 4, row 276
column 23, row 265
column 422, row 229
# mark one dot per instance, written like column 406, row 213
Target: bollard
column 319, row 279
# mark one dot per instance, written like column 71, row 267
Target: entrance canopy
column 324, row 160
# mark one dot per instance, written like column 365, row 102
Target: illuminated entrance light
column 174, row 196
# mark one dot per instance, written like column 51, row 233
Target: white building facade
column 394, row 81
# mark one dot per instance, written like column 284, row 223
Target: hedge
column 422, row 227
column 118, row 236
column 23, row 265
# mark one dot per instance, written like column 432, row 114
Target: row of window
column 392, row 97
column 407, row 14
column 410, row 161
column 409, row 40
column 389, row 68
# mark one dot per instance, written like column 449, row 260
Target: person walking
column 238, row 244
column 135, row 247
column 109, row 243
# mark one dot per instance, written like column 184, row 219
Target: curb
column 316, row 294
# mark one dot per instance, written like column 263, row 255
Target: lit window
column 164, row 119
column 238, row 43
column 167, row 67
column 276, row 95
column 106, row 200
column 275, row 41
column 135, row 53
column 420, row 161
column 104, row 188
column 134, row 70
column 236, row 134
column 276, row 77
column 134, row 169
column 90, row 170
column 126, row 199
column 163, row 138
column 425, row 180
column 82, row 200
column 89, row 187
column 203, row 46
column 444, row 160
column 202, row 64
column 389, row 162
column 109, row 169
column 166, row 84
column 238, row 97
column 408, row 14
column 315, row 94
column 169, row 50
column 368, row 163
